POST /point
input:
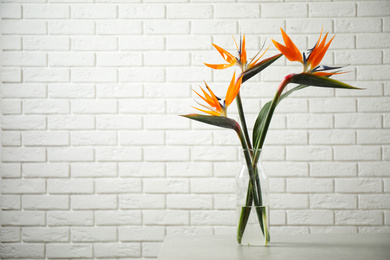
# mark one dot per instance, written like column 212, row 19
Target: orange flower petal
column 219, row 66
column 294, row 53
column 243, row 51
column 320, row 54
column 225, row 54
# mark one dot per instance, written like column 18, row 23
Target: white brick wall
column 97, row 163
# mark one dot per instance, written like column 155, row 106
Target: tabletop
column 288, row 246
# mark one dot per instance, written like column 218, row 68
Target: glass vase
column 252, row 190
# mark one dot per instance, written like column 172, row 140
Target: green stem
column 270, row 113
column 243, row 121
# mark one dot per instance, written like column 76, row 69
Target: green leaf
column 259, row 124
column 219, row 121
column 259, row 67
column 319, row 81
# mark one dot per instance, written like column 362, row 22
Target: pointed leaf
column 259, row 67
column 319, row 81
column 219, row 121
column 258, row 127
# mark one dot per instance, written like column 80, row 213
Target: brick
column 319, row 137
column 45, row 11
column 222, row 26
column 166, row 153
column 94, row 106
column 166, row 217
column 141, row 169
column 144, row 105
column 92, row 75
column 358, row 57
column 121, row 122
column 142, row 11
column 10, row 202
column 10, row 234
column 122, row 185
column 189, row 137
column 23, row 154
column 220, row 217
column 288, row 169
column 123, row 59
column 221, row 201
column 11, row 250
column 11, row 75
column 380, row 136
column 374, row 169
column 140, row 201
column 45, row 202
column 379, row 104
column 358, row 217
column 188, row 42
column 71, row 91
column 333, row 201
column 141, row 74
column 10, row 170
column 93, row 138
column 71, row 27
column 212, row 185
column 359, row 153
column 141, row 234
column 46, row 75
column 372, row 40
column 46, row 43
column 54, row 250
column 309, row 25
column 289, row 201
column 94, row 202
column 11, row 43
column 23, row 27
column 93, row 234
column 52, row 234
column 119, row 90
column 309, row 185
column 96, row 11
column 23, row 218
column 165, row 185
column 122, row 217
column 94, row 43
column 305, row 121
column 361, row 120
column 226, row 11
column 371, row 201
column 287, row 137
column 202, row 153
column 166, row 122
column 80, row 170
column 373, row 8
column 118, row 154
column 141, row 42
column 358, row 25
column 372, row 72
column 117, row 249
column 185, row 11
column 141, row 138
column 309, row 153
column 309, row 217
column 70, row 154
column 358, row 185
column 23, row 59
column 71, row 122
column 11, row 11
column 45, row 170
column 332, row 10
column 157, row 58
column 11, row 107
column 333, row 230
column 70, row 186
column 333, row 169
column 166, row 27
column 70, row 218
column 284, row 10
column 119, row 27
column 78, row 59
column 38, row 106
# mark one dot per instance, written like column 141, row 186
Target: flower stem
column 243, row 121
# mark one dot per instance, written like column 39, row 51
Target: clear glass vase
column 252, row 190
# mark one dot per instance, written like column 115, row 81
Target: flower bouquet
column 215, row 109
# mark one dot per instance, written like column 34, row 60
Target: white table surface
column 282, row 247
